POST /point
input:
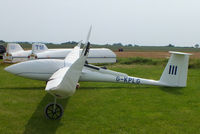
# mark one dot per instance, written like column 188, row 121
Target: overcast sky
column 143, row 22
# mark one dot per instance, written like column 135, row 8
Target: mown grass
column 141, row 61
column 193, row 63
column 103, row 107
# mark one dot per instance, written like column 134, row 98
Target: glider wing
column 63, row 82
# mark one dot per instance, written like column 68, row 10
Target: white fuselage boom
column 43, row 70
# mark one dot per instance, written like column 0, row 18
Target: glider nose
column 11, row 69
column 15, row 69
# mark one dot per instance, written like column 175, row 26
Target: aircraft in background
column 62, row 76
column 15, row 53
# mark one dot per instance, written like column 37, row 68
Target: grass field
column 98, row 108
column 152, row 54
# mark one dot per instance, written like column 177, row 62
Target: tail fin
column 175, row 73
column 13, row 47
column 38, row 47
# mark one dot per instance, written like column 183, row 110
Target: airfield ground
column 98, row 108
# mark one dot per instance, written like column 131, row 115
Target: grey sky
column 143, row 22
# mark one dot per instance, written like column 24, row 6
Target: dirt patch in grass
column 151, row 54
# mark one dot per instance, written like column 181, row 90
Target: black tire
column 51, row 114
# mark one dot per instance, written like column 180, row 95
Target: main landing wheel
column 53, row 111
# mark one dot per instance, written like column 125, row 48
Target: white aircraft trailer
column 62, row 76
column 15, row 53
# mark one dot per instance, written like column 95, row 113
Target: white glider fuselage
column 97, row 55
column 45, row 68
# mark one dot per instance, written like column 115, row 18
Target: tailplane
column 175, row 73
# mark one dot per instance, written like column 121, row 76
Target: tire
column 51, row 114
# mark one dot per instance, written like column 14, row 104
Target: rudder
column 175, row 73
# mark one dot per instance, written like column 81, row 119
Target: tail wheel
column 53, row 111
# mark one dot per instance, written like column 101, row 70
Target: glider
column 15, row 53
column 62, row 76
